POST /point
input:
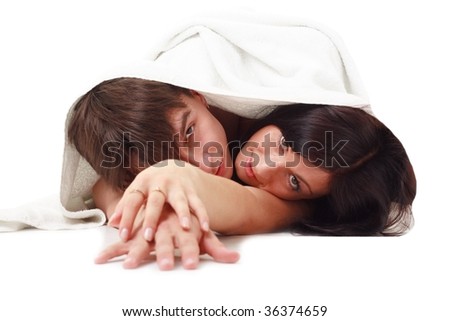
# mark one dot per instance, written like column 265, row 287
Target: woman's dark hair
column 122, row 118
column 372, row 181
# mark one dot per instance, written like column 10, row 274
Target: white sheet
column 244, row 63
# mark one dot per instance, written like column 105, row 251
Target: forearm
column 236, row 209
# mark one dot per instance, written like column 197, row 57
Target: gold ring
column 157, row 189
column 136, row 190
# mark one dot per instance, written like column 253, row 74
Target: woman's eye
column 293, row 182
column 189, row 132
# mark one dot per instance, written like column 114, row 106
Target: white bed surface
column 51, row 275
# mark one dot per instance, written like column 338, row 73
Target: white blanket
column 242, row 63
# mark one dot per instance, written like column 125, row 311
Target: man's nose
column 212, row 159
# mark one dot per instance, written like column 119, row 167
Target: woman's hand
column 170, row 182
column 169, row 236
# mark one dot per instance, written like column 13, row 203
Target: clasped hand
column 167, row 182
column 159, row 212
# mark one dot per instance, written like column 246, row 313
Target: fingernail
column 128, row 263
column 124, row 234
column 185, row 222
column 189, row 264
column 148, row 234
column 99, row 258
column 205, row 226
column 165, row 264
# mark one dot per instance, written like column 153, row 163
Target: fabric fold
column 48, row 214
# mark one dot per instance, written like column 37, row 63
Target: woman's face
column 202, row 138
column 268, row 163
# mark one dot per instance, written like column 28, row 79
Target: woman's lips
column 249, row 168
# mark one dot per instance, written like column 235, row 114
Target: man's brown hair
column 121, row 126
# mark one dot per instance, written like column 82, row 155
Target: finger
column 112, row 251
column 119, row 208
column 164, row 249
column 132, row 203
column 199, row 210
column 211, row 245
column 152, row 213
column 189, row 248
column 180, row 205
column 114, row 220
column 138, row 254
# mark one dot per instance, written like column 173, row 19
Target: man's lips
column 220, row 169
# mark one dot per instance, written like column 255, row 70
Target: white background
column 53, row 51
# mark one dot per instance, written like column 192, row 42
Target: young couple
column 165, row 164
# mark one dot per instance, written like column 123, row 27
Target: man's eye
column 189, row 132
